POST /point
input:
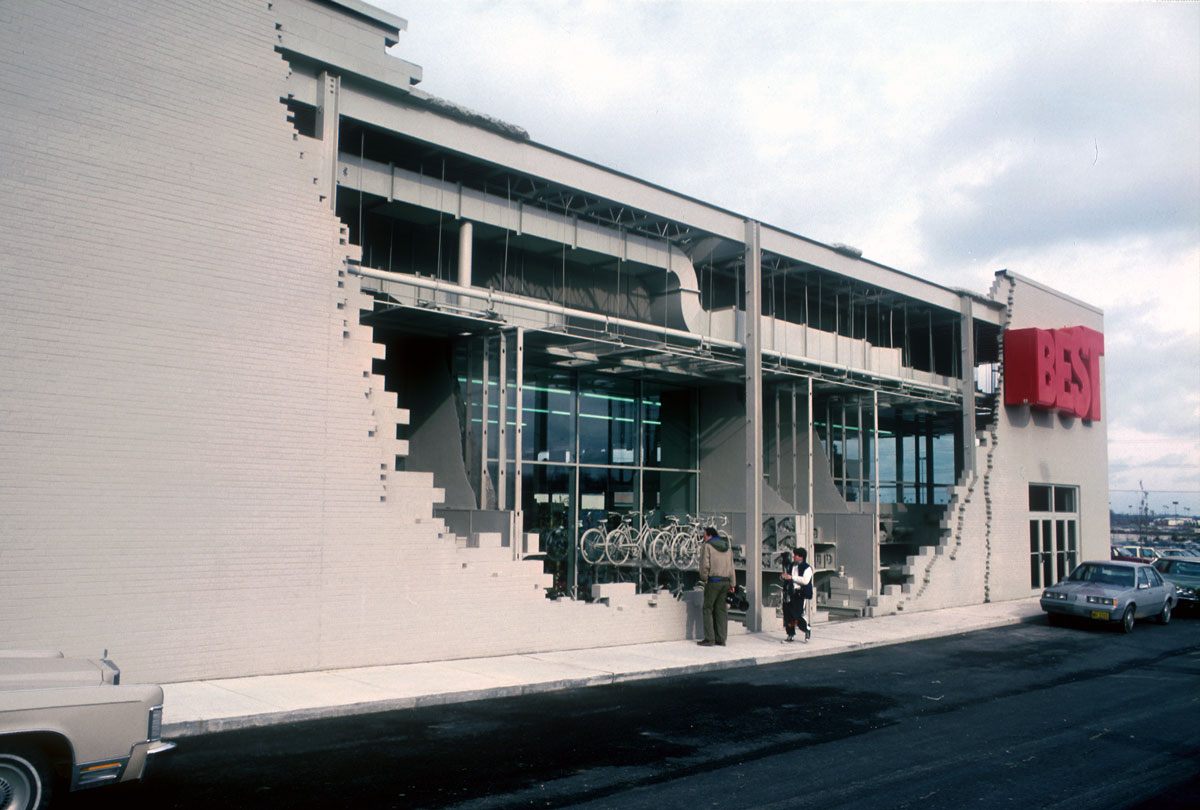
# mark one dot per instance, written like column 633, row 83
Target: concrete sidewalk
column 201, row 707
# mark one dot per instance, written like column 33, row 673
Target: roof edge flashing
column 1049, row 290
column 372, row 14
column 467, row 115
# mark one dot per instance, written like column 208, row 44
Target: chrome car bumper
column 1082, row 610
column 145, row 758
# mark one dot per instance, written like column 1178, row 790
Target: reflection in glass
column 669, row 492
column 1039, row 498
column 1064, row 499
column 668, row 428
column 547, row 492
column 604, row 490
column 607, row 422
column 549, row 418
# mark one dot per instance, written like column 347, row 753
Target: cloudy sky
column 1061, row 141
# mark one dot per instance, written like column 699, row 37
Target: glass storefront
column 592, row 446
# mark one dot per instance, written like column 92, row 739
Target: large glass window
column 669, row 428
column 606, row 489
column 608, row 416
column 591, row 445
column 549, row 417
column 1053, row 533
column 669, row 492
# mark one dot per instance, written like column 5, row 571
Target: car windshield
column 1182, row 567
column 1103, row 575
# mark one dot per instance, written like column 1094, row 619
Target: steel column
column 754, row 436
column 967, row 384
column 327, row 130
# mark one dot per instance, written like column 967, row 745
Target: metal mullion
column 932, row 364
column 875, row 488
column 518, row 449
column 811, row 531
column 930, row 484
column 842, row 477
column 467, row 430
column 502, row 451
column 795, row 452
column 861, row 454
column 484, row 404
column 573, row 559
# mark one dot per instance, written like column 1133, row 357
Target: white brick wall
column 989, row 558
column 195, row 462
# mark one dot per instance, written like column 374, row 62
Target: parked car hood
column 38, row 672
column 1090, row 588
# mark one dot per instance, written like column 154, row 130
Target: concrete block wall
column 1045, row 447
column 196, row 462
column 983, row 553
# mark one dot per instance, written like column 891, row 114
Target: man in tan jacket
column 717, row 574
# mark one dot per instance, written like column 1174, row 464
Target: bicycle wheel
column 660, row 549
column 687, row 552
column 591, row 545
column 618, row 546
column 556, row 545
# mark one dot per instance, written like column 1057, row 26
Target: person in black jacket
column 797, row 590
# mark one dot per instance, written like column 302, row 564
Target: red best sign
column 1054, row 368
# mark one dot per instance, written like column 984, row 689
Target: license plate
column 1101, row 614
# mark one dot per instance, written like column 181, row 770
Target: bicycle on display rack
column 662, row 548
column 678, row 545
column 591, row 545
column 623, row 546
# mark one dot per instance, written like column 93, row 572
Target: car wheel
column 24, row 781
column 1165, row 616
column 1127, row 620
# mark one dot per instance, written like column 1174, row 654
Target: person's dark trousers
column 793, row 614
column 798, row 604
column 716, row 612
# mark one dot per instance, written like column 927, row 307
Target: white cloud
column 949, row 140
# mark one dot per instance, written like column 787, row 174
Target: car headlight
column 1102, row 600
column 1191, row 592
column 1053, row 595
